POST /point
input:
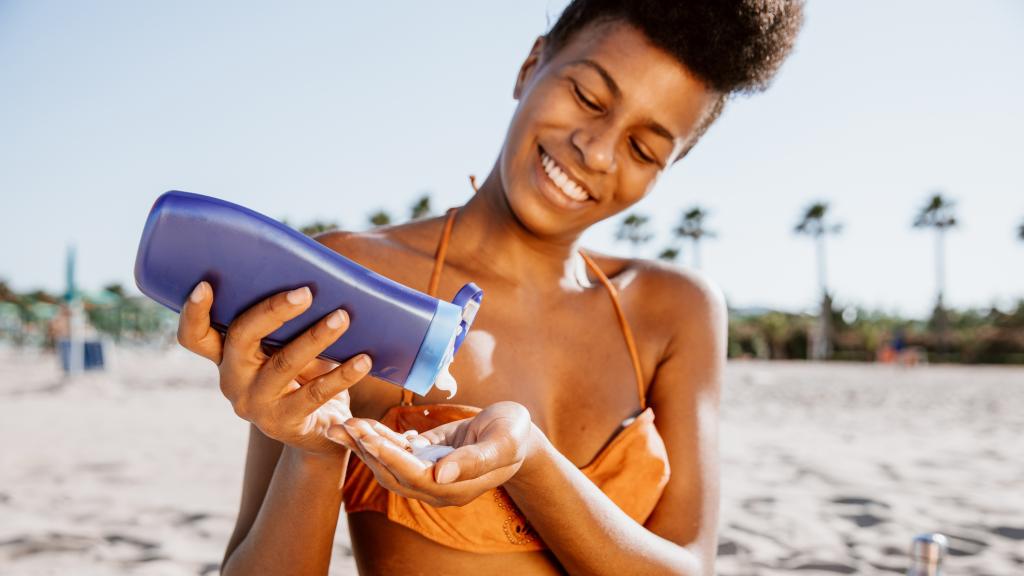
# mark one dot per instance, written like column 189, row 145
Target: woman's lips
column 557, row 186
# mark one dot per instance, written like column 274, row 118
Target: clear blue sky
column 333, row 109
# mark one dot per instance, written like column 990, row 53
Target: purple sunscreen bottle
column 246, row 257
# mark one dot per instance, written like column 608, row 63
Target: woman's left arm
column 588, row 532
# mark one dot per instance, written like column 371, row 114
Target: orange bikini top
column 632, row 469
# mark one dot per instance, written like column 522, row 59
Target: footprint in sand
column 826, row 567
column 864, row 512
column 964, row 546
column 50, row 543
column 760, row 506
column 1004, row 531
column 728, row 547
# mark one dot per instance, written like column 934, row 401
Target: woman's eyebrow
column 608, row 80
column 614, row 88
column 660, row 131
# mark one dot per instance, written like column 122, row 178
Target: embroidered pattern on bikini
column 517, row 529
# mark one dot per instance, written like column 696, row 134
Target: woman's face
column 597, row 123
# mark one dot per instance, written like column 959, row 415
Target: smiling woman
column 556, row 462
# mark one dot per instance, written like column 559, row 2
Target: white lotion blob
column 424, row 450
column 478, row 350
column 432, row 453
column 445, row 381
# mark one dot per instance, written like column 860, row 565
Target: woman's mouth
column 571, row 193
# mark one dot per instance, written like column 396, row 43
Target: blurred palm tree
column 1020, row 232
column 938, row 213
column 692, row 226
column 421, row 208
column 6, row 293
column 380, row 218
column 318, row 227
column 117, row 289
column 635, row 229
column 669, row 254
column 814, row 223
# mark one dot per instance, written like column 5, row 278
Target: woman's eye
column 640, row 152
column 584, row 100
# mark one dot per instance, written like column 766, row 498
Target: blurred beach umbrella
column 380, row 218
column 70, row 291
column 692, row 226
column 421, row 208
column 938, row 214
column 635, row 229
column 814, row 223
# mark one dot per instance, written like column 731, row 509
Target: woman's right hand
column 291, row 396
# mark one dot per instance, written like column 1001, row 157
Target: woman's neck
column 489, row 237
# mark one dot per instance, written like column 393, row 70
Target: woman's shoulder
column 657, row 293
column 409, row 240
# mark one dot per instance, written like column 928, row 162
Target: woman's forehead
column 641, row 75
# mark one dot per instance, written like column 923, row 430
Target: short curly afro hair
column 733, row 46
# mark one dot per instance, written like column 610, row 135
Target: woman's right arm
column 291, row 494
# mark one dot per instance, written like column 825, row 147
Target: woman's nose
column 596, row 147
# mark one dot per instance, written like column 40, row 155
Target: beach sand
column 826, row 469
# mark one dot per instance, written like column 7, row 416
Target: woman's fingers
column 445, row 433
column 474, row 460
column 288, row 362
column 400, row 462
column 400, row 440
column 316, row 368
column 319, row 391
column 194, row 330
column 245, row 332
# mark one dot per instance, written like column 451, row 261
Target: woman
column 572, row 354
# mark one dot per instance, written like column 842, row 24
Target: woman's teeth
column 564, row 183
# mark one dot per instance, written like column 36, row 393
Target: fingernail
column 299, row 296
column 335, row 320
column 447, row 473
column 370, row 448
column 362, row 363
column 197, row 293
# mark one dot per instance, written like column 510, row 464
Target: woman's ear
column 529, row 66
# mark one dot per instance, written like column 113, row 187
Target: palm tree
column 7, row 294
column 692, row 226
column 117, row 289
column 380, row 218
column 669, row 254
column 814, row 224
column 635, row 229
column 318, row 227
column 421, row 208
column 937, row 213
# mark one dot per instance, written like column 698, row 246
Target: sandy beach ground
column 826, row 469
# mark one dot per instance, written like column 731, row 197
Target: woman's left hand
column 489, row 449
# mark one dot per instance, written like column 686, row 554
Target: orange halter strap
column 613, row 293
column 627, row 333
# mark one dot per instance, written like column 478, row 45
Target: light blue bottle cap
column 437, row 345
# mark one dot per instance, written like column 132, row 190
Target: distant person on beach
column 559, row 466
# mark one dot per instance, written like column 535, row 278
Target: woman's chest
column 569, row 365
